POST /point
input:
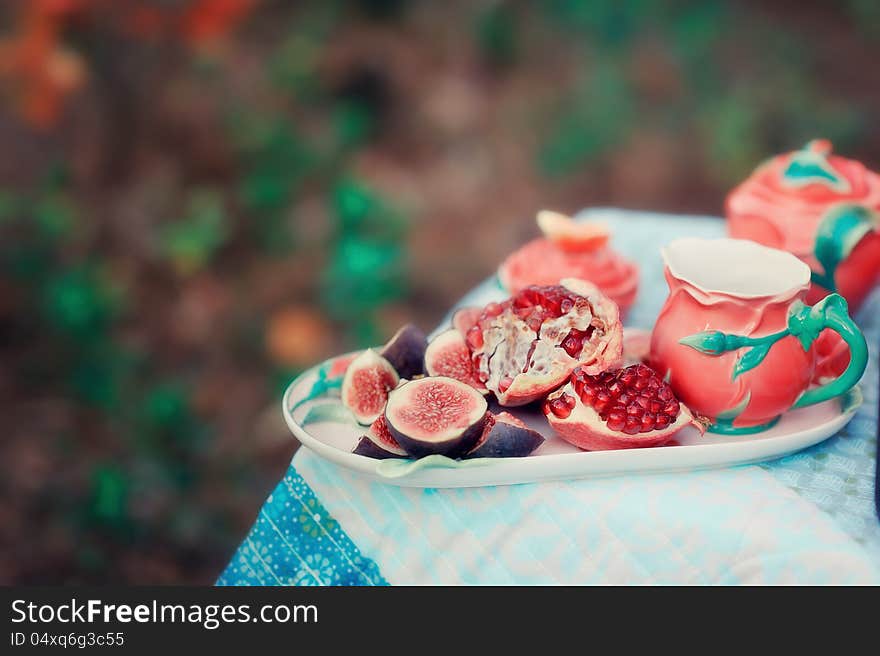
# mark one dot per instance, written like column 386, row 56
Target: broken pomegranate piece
column 528, row 345
column 626, row 408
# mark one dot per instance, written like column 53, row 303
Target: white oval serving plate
column 556, row 459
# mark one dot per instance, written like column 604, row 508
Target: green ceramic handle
column 839, row 232
column 834, row 315
column 805, row 323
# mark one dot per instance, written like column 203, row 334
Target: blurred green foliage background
column 199, row 198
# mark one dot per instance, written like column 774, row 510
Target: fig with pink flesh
column 505, row 436
column 366, row 384
column 436, row 415
column 448, row 355
column 527, row 346
column 379, row 443
column 406, row 351
column 622, row 409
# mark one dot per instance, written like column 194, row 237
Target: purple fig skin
column 367, row 447
column 406, row 351
column 451, row 448
column 506, row 441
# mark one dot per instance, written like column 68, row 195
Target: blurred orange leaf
column 297, row 336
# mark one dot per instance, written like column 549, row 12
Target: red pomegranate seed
column 615, row 423
column 632, row 425
column 560, row 407
column 475, row 337
column 552, row 304
column 671, row 409
column 572, row 345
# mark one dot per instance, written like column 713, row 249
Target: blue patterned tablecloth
column 806, row 518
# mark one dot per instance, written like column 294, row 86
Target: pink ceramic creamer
column 735, row 337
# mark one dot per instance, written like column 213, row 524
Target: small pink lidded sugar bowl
column 570, row 249
column 735, row 336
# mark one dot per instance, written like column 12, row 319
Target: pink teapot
column 821, row 207
column 824, row 209
column 735, row 336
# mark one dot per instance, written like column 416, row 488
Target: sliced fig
column 406, row 351
column 379, row 443
column 436, row 415
column 465, row 317
column 622, row 409
column 505, row 436
column 448, row 355
column 368, row 379
column 528, row 345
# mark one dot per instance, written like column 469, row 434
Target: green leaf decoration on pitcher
column 804, row 322
column 715, row 342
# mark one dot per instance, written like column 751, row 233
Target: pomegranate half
column 622, row 409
